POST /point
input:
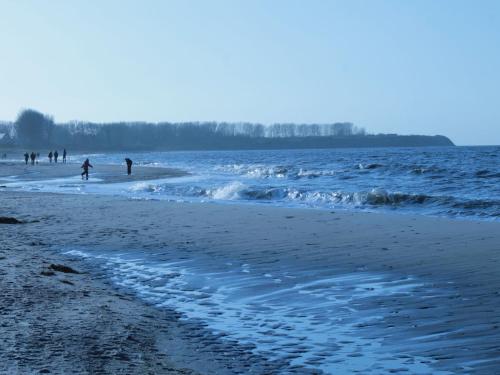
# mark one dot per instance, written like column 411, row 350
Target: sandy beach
column 83, row 323
column 100, row 173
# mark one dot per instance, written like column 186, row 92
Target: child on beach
column 86, row 164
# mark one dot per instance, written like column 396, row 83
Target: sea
column 456, row 182
column 309, row 318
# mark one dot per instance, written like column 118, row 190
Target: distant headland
column 35, row 129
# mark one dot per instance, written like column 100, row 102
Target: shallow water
column 307, row 318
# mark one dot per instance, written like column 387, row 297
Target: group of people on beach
column 35, row 157
column 55, row 155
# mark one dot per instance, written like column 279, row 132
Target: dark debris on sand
column 48, row 328
column 10, row 220
column 62, row 268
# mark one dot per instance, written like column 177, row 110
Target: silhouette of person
column 56, row 155
column 26, row 157
column 37, row 157
column 50, row 156
column 86, row 164
column 32, row 156
column 64, row 156
column 129, row 165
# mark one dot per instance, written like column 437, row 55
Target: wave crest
column 231, row 191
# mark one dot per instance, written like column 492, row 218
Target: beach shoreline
column 15, row 171
column 458, row 258
column 60, row 322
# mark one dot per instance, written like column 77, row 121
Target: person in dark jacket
column 64, row 156
column 50, row 156
column 129, row 165
column 32, row 157
column 86, row 164
column 56, row 155
column 26, row 157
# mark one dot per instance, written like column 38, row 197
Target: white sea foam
column 254, row 170
column 315, row 173
column 230, row 191
column 308, row 322
column 145, row 187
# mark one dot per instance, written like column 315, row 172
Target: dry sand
column 85, row 326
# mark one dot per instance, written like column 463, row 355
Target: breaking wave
column 457, row 181
column 231, row 191
column 238, row 191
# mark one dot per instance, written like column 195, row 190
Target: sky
column 408, row 67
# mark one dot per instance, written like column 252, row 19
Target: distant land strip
column 35, row 129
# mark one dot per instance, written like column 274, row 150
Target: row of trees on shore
column 35, row 129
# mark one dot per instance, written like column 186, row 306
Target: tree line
column 35, row 129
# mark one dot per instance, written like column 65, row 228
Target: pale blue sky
column 426, row 66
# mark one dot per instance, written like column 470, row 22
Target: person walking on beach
column 129, row 165
column 26, row 157
column 56, row 155
column 64, row 156
column 86, row 164
column 32, row 157
column 50, row 156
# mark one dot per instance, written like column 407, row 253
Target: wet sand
column 68, row 323
column 84, row 326
column 99, row 173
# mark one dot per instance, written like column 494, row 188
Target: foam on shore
column 296, row 316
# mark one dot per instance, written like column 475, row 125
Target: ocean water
column 460, row 182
